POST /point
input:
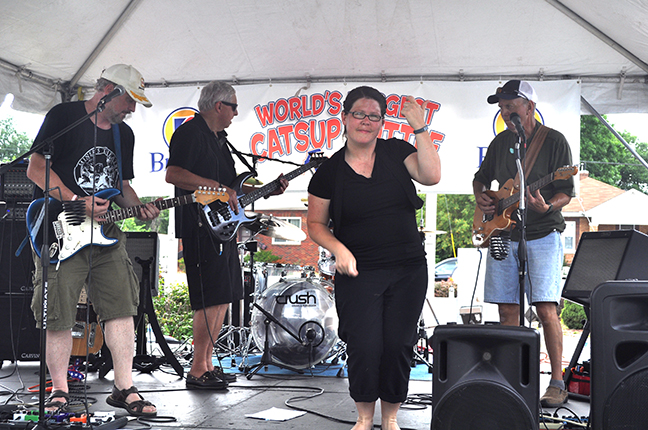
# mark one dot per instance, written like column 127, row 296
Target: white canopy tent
column 48, row 46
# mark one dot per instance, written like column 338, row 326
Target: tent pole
column 614, row 132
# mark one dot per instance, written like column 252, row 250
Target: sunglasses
column 234, row 106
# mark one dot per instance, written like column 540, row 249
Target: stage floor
column 325, row 398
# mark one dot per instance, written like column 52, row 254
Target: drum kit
column 293, row 318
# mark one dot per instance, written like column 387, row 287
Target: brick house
column 602, row 207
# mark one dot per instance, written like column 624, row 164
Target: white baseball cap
column 514, row 89
column 128, row 77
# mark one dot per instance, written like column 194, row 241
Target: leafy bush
column 263, row 256
column 573, row 315
column 442, row 289
column 174, row 312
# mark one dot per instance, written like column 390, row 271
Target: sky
column 635, row 124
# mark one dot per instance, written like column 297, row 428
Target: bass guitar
column 224, row 223
column 70, row 230
column 506, row 201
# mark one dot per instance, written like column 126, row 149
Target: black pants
column 379, row 312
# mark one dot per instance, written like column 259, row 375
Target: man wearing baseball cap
column 96, row 155
column 546, row 151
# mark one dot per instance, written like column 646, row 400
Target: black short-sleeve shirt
column 378, row 220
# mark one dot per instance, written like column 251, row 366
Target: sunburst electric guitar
column 506, row 200
column 70, row 230
column 222, row 220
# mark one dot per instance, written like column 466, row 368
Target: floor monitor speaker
column 619, row 361
column 604, row 256
column 485, row 377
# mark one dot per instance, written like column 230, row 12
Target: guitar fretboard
column 133, row 211
column 272, row 186
column 503, row 204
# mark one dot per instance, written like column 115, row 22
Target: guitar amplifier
column 15, row 185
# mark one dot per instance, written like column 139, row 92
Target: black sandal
column 134, row 408
column 57, row 405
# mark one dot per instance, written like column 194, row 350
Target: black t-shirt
column 196, row 148
column 378, row 220
column 499, row 164
column 74, row 151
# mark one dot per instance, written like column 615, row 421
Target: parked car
column 445, row 269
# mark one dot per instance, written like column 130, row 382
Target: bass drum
column 306, row 310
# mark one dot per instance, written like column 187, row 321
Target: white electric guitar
column 70, row 230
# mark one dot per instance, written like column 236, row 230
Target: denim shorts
column 113, row 288
column 543, row 280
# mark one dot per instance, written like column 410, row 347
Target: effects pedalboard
column 27, row 419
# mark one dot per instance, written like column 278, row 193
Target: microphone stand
column 520, row 150
column 44, row 252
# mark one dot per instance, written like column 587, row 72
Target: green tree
column 454, row 216
column 159, row 224
column 12, row 142
column 608, row 160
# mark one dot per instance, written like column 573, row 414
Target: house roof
column 592, row 194
column 607, row 204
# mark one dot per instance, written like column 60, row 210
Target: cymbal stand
column 422, row 343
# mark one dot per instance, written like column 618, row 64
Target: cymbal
column 271, row 226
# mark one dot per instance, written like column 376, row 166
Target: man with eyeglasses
column 199, row 156
column 544, row 222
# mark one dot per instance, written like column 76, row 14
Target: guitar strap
column 532, row 153
column 240, row 157
column 117, row 140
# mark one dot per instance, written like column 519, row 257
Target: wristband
column 74, row 197
column 421, row 130
column 550, row 208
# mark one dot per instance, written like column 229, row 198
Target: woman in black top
column 366, row 188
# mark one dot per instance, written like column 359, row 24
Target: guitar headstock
column 565, row 172
column 207, row 195
column 315, row 158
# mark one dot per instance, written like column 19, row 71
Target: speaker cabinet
column 145, row 245
column 619, row 385
column 485, row 377
column 19, row 337
column 605, row 256
column 15, row 272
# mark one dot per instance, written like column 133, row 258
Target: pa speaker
column 605, row 256
column 485, row 377
column 619, row 361
column 19, row 337
column 145, row 245
column 15, row 271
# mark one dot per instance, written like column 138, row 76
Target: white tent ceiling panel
column 248, row 41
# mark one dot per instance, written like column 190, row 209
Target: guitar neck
column 133, row 211
column 272, row 186
column 509, row 201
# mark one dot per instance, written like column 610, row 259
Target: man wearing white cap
column 96, row 155
column 546, row 151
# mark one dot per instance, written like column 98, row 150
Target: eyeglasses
column 361, row 115
column 232, row 105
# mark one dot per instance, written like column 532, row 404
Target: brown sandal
column 57, row 405
column 134, row 408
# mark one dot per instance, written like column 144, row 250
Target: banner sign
column 286, row 121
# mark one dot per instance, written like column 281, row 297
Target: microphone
column 118, row 91
column 517, row 122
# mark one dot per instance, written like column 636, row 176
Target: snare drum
column 307, row 313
